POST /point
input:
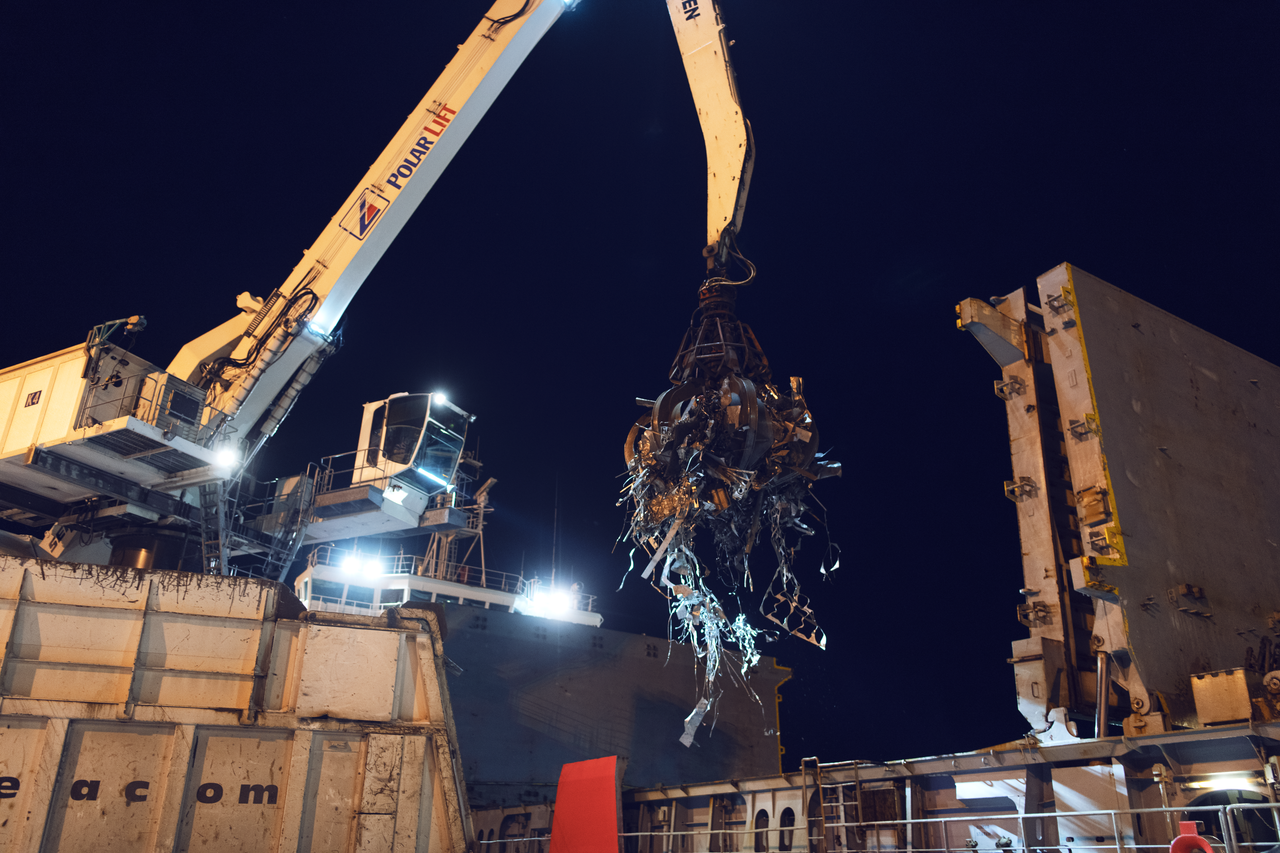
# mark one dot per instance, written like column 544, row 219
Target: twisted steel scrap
column 726, row 450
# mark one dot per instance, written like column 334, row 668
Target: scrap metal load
column 726, row 448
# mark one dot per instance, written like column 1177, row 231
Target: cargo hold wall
column 146, row 710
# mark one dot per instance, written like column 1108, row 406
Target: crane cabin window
column 413, row 431
column 375, row 436
column 439, row 453
column 395, row 429
column 404, row 422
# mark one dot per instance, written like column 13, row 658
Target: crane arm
column 726, row 132
column 725, row 448
column 246, row 364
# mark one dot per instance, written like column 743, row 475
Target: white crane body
column 370, row 218
column 726, row 132
column 96, row 423
column 95, row 434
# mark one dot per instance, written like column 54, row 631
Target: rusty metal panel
column 134, row 728
column 210, row 595
column 88, row 586
column 20, row 742
column 375, row 833
column 104, row 798
column 329, row 811
column 11, row 585
column 348, row 672
column 193, row 690
column 1223, row 697
column 130, row 786
column 281, row 663
column 180, row 641
column 53, row 632
column 413, row 821
column 1172, row 449
column 424, row 692
column 381, row 774
column 234, row 797
column 70, row 682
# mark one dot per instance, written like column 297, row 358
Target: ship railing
column 534, row 588
column 470, row 575
column 344, row 470
column 363, row 563
column 906, row 836
column 153, row 402
column 1238, row 814
column 328, row 604
column 354, row 468
column 374, row 565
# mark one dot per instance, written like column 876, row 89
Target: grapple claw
column 725, row 449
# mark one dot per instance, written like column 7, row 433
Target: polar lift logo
column 359, row 220
column 368, row 213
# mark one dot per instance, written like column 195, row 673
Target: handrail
column 1227, row 815
column 331, row 556
column 147, row 402
column 1234, row 809
column 340, row 471
column 410, row 564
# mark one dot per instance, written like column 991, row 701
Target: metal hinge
column 1033, row 613
column 1020, row 489
column 1098, row 542
column 1082, row 430
column 1010, row 388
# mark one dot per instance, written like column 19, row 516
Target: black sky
column 910, row 154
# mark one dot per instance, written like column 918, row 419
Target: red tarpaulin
column 586, row 816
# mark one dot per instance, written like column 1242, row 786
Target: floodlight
column 434, row 478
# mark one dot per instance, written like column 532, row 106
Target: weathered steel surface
column 1146, row 473
column 1176, row 467
column 362, row 689
column 1052, row 667
column 165, row 711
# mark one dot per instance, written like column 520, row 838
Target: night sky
column 909, row 155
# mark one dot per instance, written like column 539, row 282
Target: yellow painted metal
column 1114, row 531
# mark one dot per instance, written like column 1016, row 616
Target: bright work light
column 433, row 478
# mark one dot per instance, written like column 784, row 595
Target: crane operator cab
column 411, row 441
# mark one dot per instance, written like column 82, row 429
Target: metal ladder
column 815, row 828
column 213, row 527
column 835, row 804
column 288, row 538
